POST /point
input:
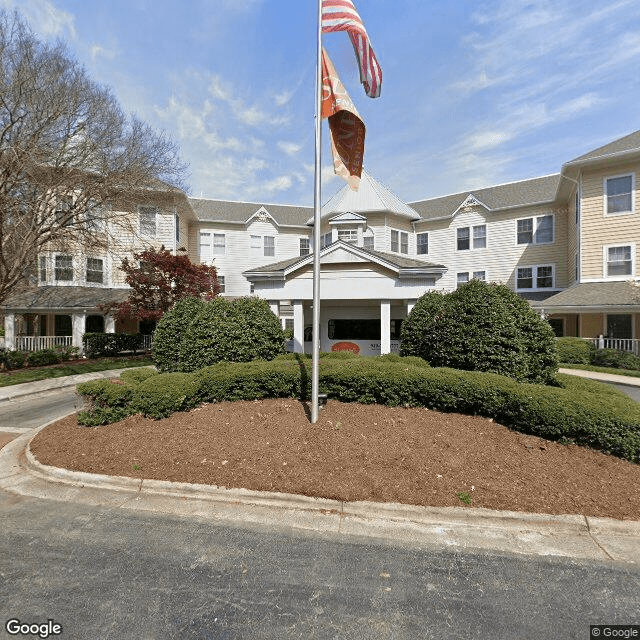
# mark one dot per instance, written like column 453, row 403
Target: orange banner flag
column 345, row 125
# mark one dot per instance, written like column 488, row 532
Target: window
column 221, row 283
column 64, row 268
column 325, row 240
column 618, row 194
column 463, row 238
column 535, row 230
column 396, row 328
column 148, row 221
column 399, row 241
column 218, row 244
column 536, row 277
column 256, row 244
column 95, row 270
column 619, row 261
column 480, row 275
column 305, row 250
column 62, row 213
column 480, row 236
column 368, row 242
column 422, row 242
column 94, row 324
column 95, row 216
column 525, row 278
column 577, row 206
column 354, row 329
column 348, row 235
column 462, row 278
column 43, row 269
column 269, row 246
column 205, row 245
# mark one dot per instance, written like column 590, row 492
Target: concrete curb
column 574, row 536
column 613, row 378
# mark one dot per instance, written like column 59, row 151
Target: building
column 566, row 242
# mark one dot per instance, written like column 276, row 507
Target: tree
column 481, row 327
column 67, row 153
column 158, row 279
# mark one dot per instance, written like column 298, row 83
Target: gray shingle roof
column 626, row 143
column 223, row 210
column 596, row 294
column 401, row 262
column 63, row 298
column 513, row 194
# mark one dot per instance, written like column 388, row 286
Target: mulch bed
column 353, row 452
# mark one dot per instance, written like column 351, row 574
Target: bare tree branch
column 68, row 154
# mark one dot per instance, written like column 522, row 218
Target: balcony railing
column 35, row 343
column 621, row 344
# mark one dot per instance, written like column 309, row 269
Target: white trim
column 605, row 195
column 624, row 277
column 534, row 230
column 260, row 213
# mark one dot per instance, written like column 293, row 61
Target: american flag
column 341, row 15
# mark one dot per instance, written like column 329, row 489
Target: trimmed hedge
column 167, row 337
column 617, row 359
column 576, row 410
column 137, row 376
column 111, row 344
column 575, row 350
column 481, row 327
column 43, row 357
column 238, row 330
column 13, row 359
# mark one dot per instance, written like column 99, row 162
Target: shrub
column 106, row 393
column 170, row 331
column 111, row 344
column 412, row 360
column 136, row 376
column 43, row 357
column 67, row 352
column 339, row 355
column 14, row 359
column 238, row 330
column 616, row 359
column 575, row 350
column 481, row 327
column 161, row 395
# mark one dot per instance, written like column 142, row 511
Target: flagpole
column 315, row 363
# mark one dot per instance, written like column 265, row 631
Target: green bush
column 43, row 357
column 111, row 344
column 238, row 330
column 575, row 350
column 160, row 396
column 616, row 359
column 481, row 327
column 394, row 357
column 67, row 352
column 586, row 412
column 14, row 359
column 105, row 393
column 167, row 337
column 102, row 415
column 135, row 377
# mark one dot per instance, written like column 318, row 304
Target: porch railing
column 35, row 343
column 621, row 344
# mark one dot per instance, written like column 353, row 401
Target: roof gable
column 627, row 143
column 262, row 215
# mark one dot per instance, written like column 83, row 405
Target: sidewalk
column 30, row 388
column 613, row 378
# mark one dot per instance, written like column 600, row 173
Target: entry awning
column 593, row 297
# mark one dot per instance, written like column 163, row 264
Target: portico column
column 385, row 327
column 298, row 327
column 273, row 305
column 109, row 323
column 410, row 305
column 78, row 326
column 10, row 331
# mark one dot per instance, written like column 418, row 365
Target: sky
column 474, row 93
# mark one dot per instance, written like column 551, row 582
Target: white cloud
column 290, row 148
column 44, row 18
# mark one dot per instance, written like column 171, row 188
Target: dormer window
column 348, row 235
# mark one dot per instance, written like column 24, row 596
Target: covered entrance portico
column 364, row 294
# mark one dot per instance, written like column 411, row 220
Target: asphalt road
column 33, row 411
column 107, row 573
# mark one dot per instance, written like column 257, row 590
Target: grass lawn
column 591, row 367
column 19, row 376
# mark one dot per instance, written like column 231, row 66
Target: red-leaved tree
column 158, row 279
